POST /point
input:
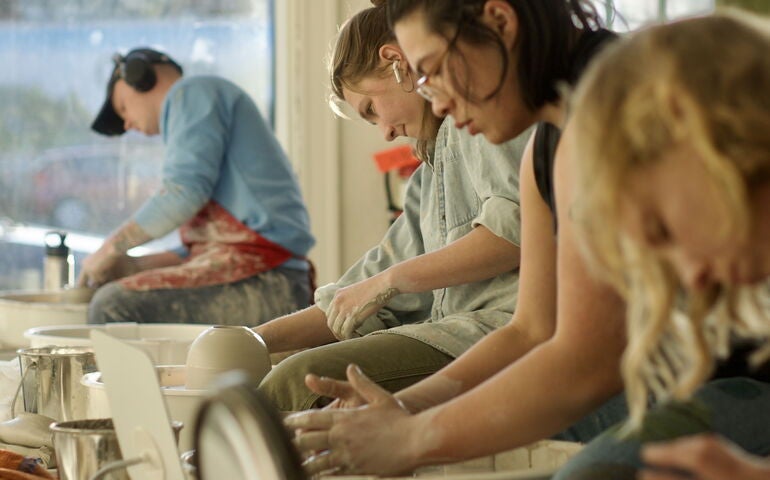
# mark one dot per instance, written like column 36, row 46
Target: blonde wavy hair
column 702, row 82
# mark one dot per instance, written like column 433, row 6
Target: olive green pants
column 393, row 361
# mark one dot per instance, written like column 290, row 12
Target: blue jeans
column 249, row 302
column 736, row 408
column 597, row 422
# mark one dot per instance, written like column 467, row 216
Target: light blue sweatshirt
column 219, row 147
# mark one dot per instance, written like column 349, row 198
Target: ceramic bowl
column 223, row 348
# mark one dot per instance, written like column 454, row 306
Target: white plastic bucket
column 182, row 404
column 166, row 343
column 22, row 310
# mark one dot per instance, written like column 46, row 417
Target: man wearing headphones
column 227, row 186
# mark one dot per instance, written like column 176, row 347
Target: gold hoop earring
column 411, row 82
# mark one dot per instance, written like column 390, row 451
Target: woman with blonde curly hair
column 673, row 188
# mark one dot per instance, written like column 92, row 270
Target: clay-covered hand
column 103, row 266
column 351, row 305
column 343, row 393
column 110, row 262
column 378, row 438
column 705, row 457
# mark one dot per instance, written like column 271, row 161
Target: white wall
column 333, row 157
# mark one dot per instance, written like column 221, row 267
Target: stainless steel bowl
column 84, row 446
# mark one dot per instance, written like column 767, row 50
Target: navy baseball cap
column 107, row 121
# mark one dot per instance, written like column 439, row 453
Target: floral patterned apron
column 222, row 250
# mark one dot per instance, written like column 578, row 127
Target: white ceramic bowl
column 222, row 348
column 21, row 310
column 166, row 343
column 182, row 403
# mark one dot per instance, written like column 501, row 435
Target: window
column 56, row 55
column 624, row 15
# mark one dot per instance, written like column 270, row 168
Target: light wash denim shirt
column 219, row 147
column 469, row 182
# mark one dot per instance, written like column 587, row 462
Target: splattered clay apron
column 222, row 250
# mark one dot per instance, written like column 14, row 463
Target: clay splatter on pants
column 248, row 302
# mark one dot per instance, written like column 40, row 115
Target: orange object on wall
column 401, row 160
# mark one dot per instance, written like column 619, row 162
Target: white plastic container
column 182, row 404
column 22, row 310
column 166, row 343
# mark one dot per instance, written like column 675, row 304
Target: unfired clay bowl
column 223, row 348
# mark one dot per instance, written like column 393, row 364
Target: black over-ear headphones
column 136, row 68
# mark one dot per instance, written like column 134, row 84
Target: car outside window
column 56, row 55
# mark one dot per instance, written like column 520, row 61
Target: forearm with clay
column 128, row 236
column 479, row 255
column 303, row 329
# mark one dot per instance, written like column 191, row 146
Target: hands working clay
column 110, row 261
column 322, row 435
column 353, row 304
column 102, row 267
column 343, row 393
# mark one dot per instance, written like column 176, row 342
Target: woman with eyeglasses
column 446, row 272
column 496, row 67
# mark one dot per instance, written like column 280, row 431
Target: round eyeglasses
column 423, row 87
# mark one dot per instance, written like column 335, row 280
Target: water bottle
column 58, row 267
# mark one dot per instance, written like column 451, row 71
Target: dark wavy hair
column 548, row 31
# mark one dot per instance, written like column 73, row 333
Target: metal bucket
column 85, row 446
column 89, row 449
column 50, row 381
